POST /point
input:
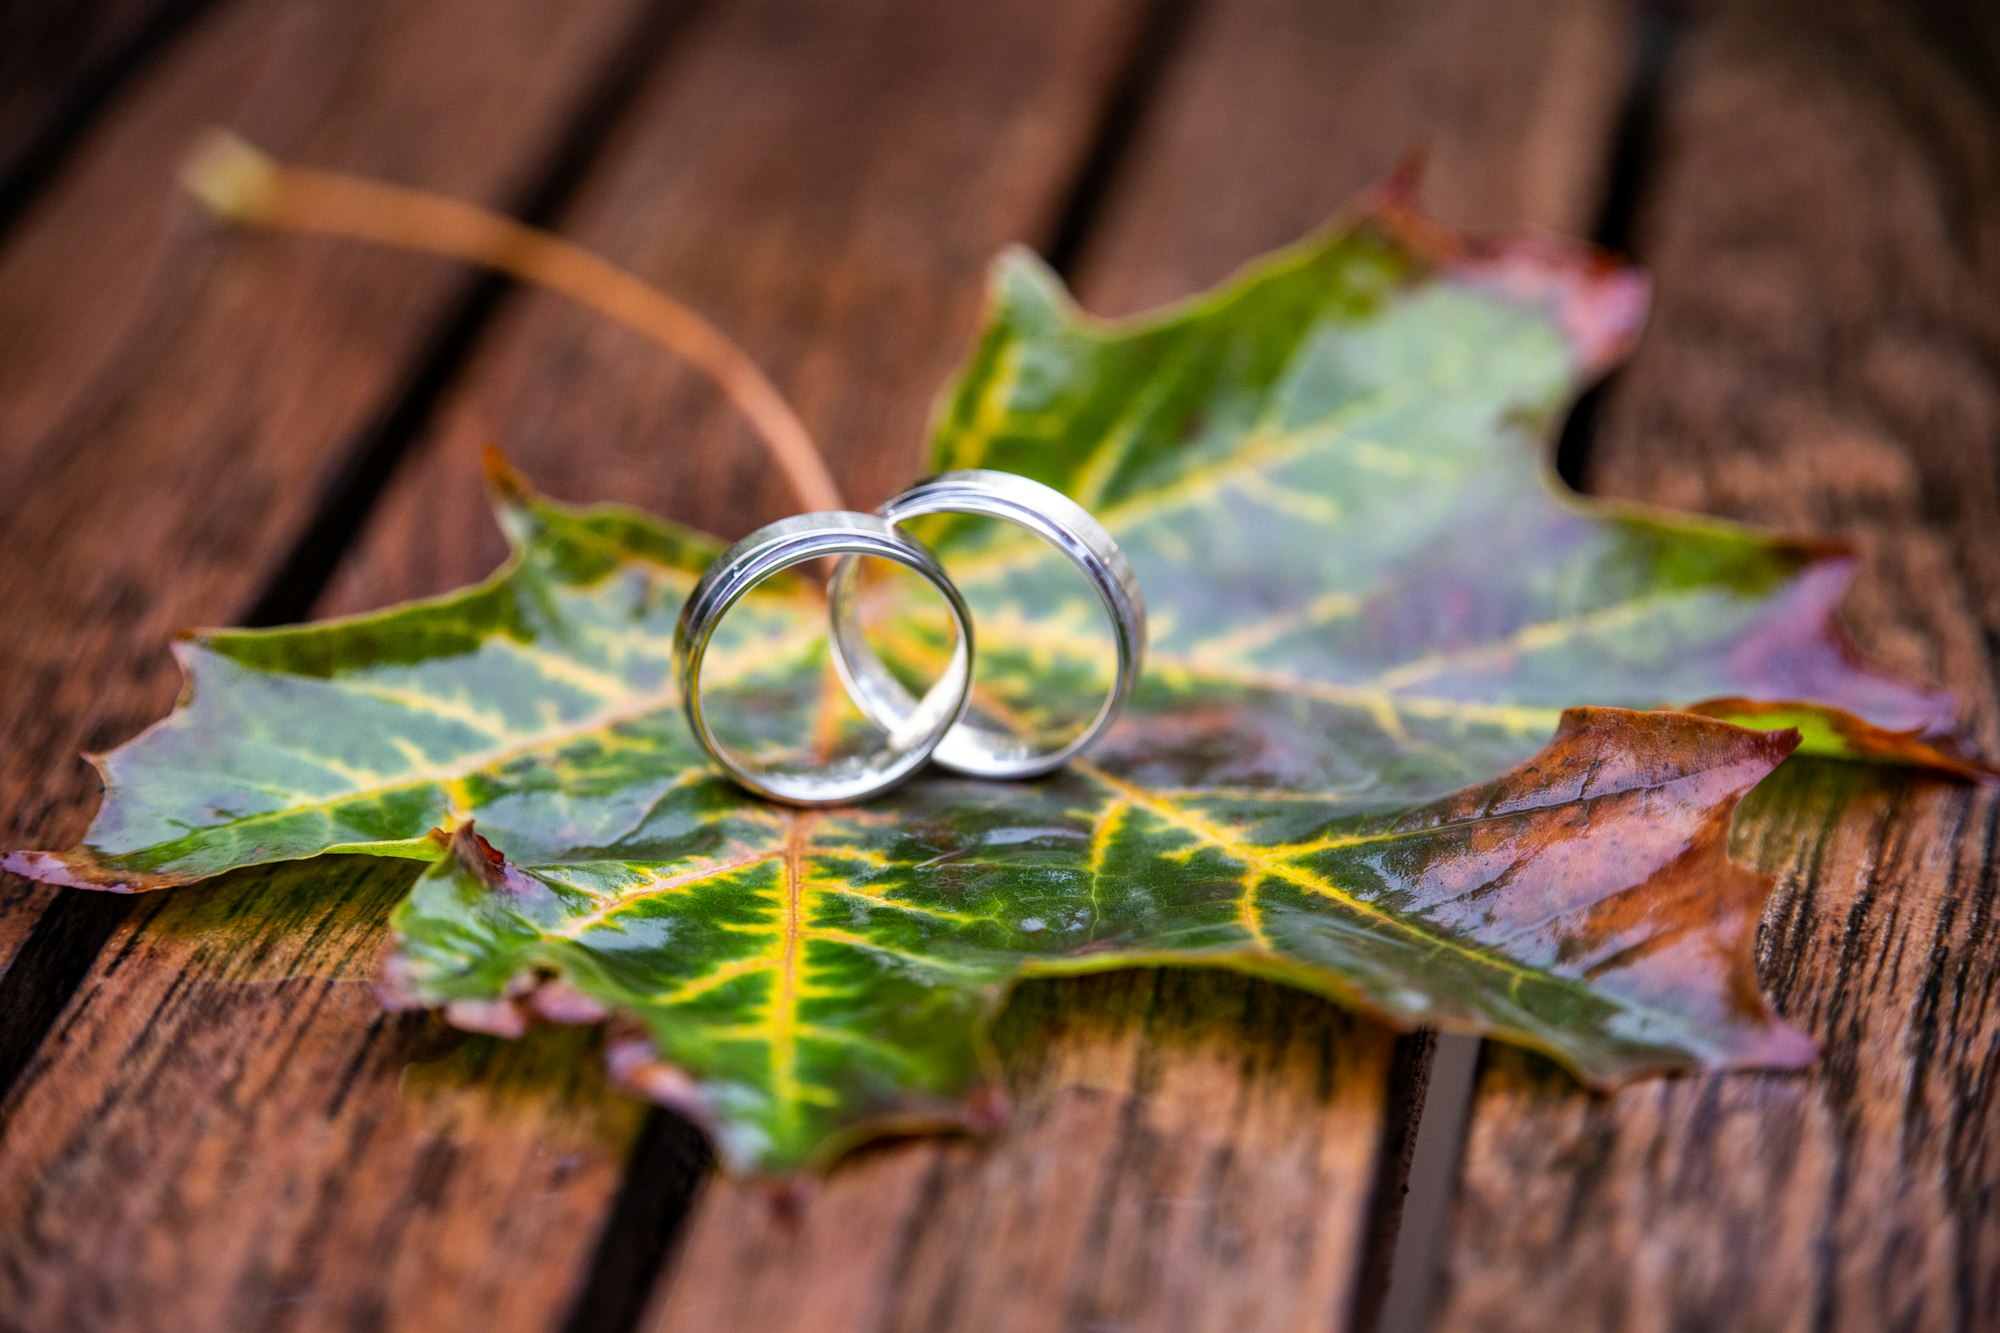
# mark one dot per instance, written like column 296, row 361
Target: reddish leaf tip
column 508, row 482
column 1599, row 302
column 987, row 1109
column 1403, row 186
column 475, row 855
column 485, row 862
column 788, row 1197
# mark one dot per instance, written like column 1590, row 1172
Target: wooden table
column 208, row 1121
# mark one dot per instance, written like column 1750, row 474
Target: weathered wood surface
column 56, row 62
column 1275, row 114
column 813, row 217
column 1822, row 223
column 1192, row 1153
column 177, row 403
column 222, row 1130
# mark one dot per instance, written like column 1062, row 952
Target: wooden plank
column 175, row 402
column 1190, row 1152
column 1820, row 223
column 1187, row 1150
column 175, row 405
column 837, row 225
column 56, row 61
column 224, row 1129
column 1279, row 112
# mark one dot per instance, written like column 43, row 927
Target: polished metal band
column 1047, row 513
column 913, row 732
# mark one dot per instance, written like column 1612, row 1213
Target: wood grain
column 1279, row 112
column 175, row 401
column 227, row 1131
column 224, row 1129
column 1821, row 222
column 827, row 182
column 1190, row 1153
column 57, row 62
column 1188, row 1150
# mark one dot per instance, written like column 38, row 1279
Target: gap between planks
column 1272, row 222
column 60, row 67
column 1822, row 357
column 156, row 1004
column 71, row 928
column 1421, row 1244
column 929, row 1237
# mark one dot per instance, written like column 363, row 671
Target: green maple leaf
column 1349, row 765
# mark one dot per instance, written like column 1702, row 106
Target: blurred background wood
column 208, row 1122
column 1822, row 218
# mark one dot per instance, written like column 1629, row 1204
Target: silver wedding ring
column 770, row 550
column 914, row 729
column 968, row 748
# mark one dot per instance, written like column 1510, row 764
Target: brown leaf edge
column 1600, row 303
column 1662, row 789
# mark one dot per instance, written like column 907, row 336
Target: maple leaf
column 1356, row 762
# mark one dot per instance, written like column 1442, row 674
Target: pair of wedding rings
column 914, row 730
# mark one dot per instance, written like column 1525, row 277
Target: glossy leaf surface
column 1349, row 765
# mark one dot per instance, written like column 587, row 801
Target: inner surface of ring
column 1048, row 657
column 777, row 714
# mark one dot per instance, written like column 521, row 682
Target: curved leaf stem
column 237, row 182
